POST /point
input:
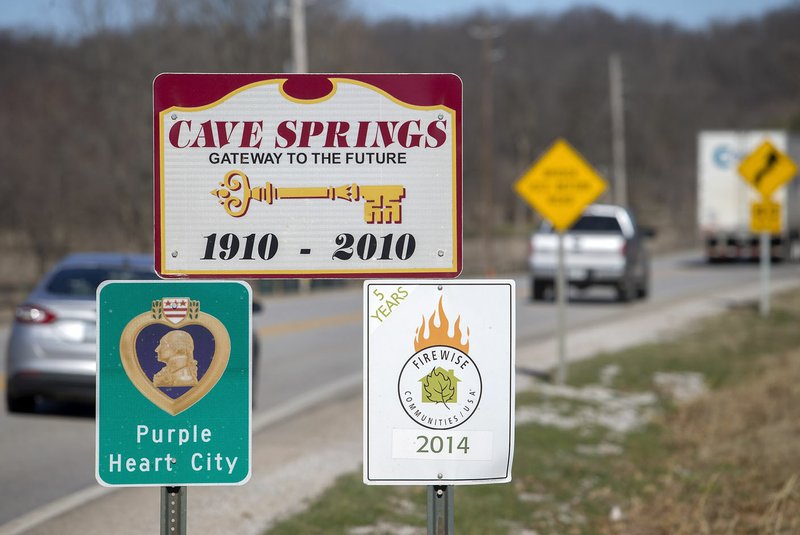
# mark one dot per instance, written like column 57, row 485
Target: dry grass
column 726, row 463
column 736, row 466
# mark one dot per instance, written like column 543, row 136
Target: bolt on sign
column 173, row 383
column 765, row 216
column 767, row 168
column 560, row 185
column 307, row 175
column 438, row 382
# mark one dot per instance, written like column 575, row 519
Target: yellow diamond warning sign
column 560, row 185
column 767, row 168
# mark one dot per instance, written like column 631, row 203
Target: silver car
column 604, row 247
column 51, row 351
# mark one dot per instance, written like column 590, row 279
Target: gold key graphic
column 381, row 203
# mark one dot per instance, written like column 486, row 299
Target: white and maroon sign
column 267, row 175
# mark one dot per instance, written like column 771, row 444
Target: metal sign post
column 441, row 510
column 765, row 262
column 173, row 510
column 561, row 298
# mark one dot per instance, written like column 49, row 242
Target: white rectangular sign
column 438, row 382
column 276, row 175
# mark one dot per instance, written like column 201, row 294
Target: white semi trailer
column 724, row 198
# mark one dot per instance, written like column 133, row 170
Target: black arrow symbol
column 772, row 159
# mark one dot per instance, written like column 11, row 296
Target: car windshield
column 83, row 282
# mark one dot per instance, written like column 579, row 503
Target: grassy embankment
column 616, row 453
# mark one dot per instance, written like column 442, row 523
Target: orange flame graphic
column 440, row 335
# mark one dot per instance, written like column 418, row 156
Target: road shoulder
column 299, row 456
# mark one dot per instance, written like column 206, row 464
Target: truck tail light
column 33, row 314
column 624, row 249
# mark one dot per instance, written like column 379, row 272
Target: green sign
column 173, row 383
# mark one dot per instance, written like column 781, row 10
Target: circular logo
column 439, row 387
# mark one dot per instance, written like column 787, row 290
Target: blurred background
column 77, row 77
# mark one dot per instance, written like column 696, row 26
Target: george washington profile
column 176, row 350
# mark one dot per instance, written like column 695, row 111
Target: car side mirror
column 257, row 307
column 648, row 232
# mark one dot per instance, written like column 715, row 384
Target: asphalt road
column 308, row 343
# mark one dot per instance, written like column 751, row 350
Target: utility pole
column 617, row 129
column 299, row 65
column 486, row 34
column 299, row 48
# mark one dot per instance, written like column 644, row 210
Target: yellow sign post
column 560, row 185
column 765, row 216
column 767, row 168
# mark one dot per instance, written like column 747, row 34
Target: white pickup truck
column 604, row 247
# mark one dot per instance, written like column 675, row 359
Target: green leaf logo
column 440, row 386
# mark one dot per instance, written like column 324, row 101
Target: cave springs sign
column 307, row 175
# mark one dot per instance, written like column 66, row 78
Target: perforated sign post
column 276, row 175
column 438, row 386
column 560, row 185
column 173, row 383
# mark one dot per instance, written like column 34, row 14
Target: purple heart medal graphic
column 174, row 354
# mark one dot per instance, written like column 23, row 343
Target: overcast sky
column 57, row 16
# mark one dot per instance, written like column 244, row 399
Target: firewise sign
column 173, row 383
column 307, row 175
column 438, row 382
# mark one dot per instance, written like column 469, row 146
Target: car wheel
column 20, row 404
column 643, row 290
column 625, row 290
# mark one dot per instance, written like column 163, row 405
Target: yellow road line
column 305, row 325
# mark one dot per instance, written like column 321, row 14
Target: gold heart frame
column 127, row 350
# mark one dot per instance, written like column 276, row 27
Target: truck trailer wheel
column 538, row 289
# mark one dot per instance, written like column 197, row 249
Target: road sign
column 276, row 175
column 438, row 382
column 173, row 383
column 560, row 185
column 765, row 216
column 767, row 168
